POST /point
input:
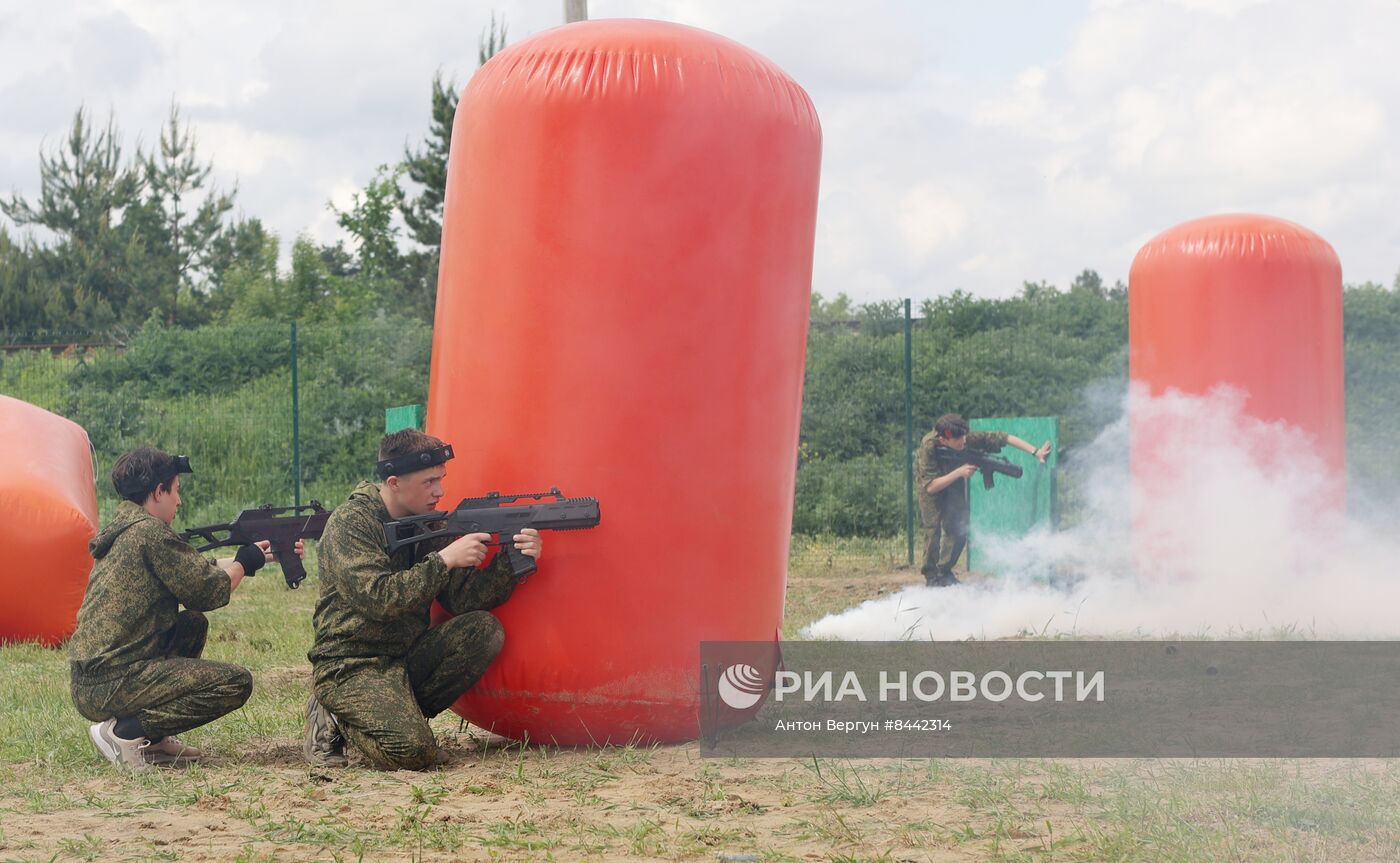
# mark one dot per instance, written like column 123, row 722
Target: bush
column 861, row 496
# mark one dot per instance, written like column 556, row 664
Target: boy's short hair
column 408, row 442
column 950, row 425
column 143, row 470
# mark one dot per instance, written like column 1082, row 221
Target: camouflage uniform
column 375, row 663
column 134, row 652
column 946, row 512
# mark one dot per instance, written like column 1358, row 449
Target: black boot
column 944, row 578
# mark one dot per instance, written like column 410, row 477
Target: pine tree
column 427, row 168
column 188, row 217
column 86, row 193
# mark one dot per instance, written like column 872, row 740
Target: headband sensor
column 402, row 464
column 147, row 481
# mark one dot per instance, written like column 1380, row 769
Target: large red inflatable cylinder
column 1250, row 302
column 622, row 313
column 48, row 513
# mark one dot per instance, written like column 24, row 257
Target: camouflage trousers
column 169, row 695
column 949, row 523
column 383, row 704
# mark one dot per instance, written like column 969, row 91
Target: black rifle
column 268, row 522
column 989, row 465
column 487, row 515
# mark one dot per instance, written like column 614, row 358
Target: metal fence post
column 909, row 428
column 296, row 424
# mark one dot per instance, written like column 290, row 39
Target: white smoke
column 1243, row 543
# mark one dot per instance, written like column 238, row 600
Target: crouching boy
column 134, row 657
column 379, row 672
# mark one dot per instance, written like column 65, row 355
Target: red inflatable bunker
column 1247, row 301
column 48, row 512
column 622, row 313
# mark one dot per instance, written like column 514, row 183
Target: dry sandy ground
column 496, row 801
column 639, row 804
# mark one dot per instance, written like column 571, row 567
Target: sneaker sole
column 109, row 752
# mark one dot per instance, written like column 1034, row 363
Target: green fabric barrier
column 403, row 417
column 1014, row 506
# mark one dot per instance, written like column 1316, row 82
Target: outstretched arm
column 1040, row 453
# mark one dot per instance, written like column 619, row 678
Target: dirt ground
column 662, row 803
column 496, row 800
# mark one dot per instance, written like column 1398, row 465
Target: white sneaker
column 121, row 752
column 171, row 750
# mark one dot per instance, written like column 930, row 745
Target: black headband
column 148, row 482
column 402, row 464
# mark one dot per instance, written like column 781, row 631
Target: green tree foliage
column 221, row 391
column 122, row 239
column 1031, row 355
column 85, row 191
column 188, row 217
column 427, row 167
column 426, row 170
column 1372, row 316
column 309, row 291
column 221, row 394
column 242, row 264
column 378, row 276
column 21, row 297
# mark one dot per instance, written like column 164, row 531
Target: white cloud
column 245, row 152
column 956, row 153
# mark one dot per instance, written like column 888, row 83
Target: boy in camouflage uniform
column 379, row 673
column 943, row 505
column 134, row 657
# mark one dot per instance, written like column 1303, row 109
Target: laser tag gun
column 490, row 514
column 271, row 523
column 989, row 465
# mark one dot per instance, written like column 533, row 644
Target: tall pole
column 909, row 428
column 575, row 10
column 296, row 424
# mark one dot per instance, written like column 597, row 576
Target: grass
column 502, row 800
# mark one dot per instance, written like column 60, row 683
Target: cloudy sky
column 970, row 145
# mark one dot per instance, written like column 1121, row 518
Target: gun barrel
column 470, row 516
column 1006, row 467
column 566, row 515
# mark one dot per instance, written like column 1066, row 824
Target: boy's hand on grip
column 466, row 550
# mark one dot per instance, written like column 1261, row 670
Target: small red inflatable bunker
column 48, row 513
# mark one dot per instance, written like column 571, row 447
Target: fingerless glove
column 251, row 557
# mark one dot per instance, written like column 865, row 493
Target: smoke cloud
column 1240, row 541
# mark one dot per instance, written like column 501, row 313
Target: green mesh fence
column 222, row 395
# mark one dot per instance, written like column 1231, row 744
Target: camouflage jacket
column 927, row 469
column 373, row 604
column 142, row 575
